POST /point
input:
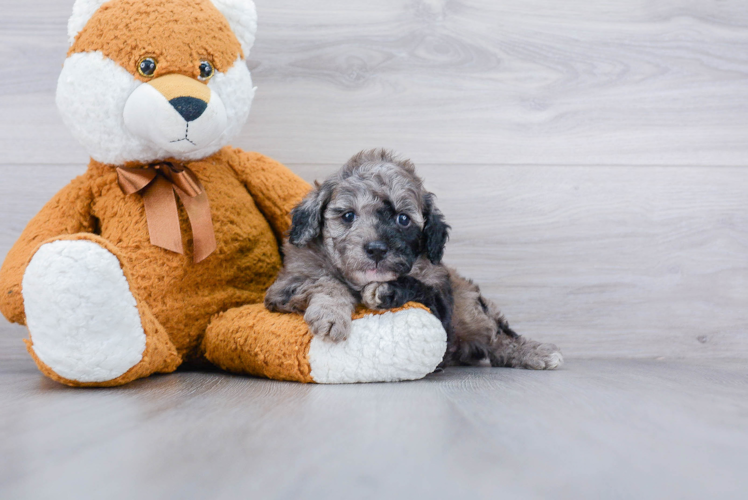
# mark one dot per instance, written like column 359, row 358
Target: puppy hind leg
column 483, row 334
column 507, row 348
column 519, row 352
column 500, row 346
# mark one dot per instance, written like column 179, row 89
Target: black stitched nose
column 189, row 107
column 376, row 250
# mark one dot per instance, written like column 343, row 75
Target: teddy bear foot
column 383, row 346
column 402, row 344
column 83, row 320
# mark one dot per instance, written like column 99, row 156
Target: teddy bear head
column 146, row 80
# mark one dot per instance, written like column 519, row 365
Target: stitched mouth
column 186, row 136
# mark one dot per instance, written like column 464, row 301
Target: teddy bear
column 159, row 255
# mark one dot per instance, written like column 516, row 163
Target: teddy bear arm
column 403, row 344
column 68, row 212
column 275, row 189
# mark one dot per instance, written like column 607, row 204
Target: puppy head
column 373, row 219
column 147, row 80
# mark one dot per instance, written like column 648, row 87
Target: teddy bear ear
column 242, row 17
column 82, row 12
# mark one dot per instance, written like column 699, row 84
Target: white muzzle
column 177, row 114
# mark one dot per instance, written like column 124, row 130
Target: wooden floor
column 591, row 157
column 616, row 428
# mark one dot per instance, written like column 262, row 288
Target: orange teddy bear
column 116, row 279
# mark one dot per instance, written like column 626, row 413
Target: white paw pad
column 402, row 345
column 82, row 318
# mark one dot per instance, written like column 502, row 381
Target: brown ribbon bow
column 157, row 184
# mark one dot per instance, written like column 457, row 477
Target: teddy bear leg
column 405, row 344
column 86, row 326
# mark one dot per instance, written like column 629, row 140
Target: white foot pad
column 83, row 320
column 404, row 345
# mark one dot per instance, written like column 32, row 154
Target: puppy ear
column 435, row 230
column 307, row 216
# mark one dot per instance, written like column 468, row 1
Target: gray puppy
column 372, row 234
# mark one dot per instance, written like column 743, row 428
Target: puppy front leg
column 326, row 303
column 329, row 316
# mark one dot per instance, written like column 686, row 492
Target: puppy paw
column 537, row 356
column 273, row 304
column 329, row 322
column 382, row 295
column 370, row 295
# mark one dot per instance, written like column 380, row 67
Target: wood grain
column 578, row 152
column 614, row 260
column 452, row 82
column 591, row 159
column 603, row 261
column 595, row 429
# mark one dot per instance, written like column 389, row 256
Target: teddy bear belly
column 184, row 295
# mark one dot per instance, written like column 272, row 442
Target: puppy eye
column 349, row 217
column 403, row 220
column 206, row 71
column 147, row 66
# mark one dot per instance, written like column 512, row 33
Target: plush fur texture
column 191, row 128
column 250, row 198
column 103, row 305
column 242, row 17
column 100, row 88
column 159, row 355
column 85, row 320
column 240, row 14
column 82, row 12
column 395, row 345
column 403, row 344
column 95, row 117
column 371, row 234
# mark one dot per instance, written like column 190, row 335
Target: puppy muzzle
column 176, row 113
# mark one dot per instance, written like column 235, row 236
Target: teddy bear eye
column 206, row 71
column 147, row 66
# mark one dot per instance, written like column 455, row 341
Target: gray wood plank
column 603, row 261
column 455, row 82
column 607, row 261
column 595, row 429
column 604, row 258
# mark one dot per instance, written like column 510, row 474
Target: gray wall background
column 592, row 157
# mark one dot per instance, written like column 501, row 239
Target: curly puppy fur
column 371, row 234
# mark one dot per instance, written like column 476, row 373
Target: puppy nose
column 191, row 108
column 376, row 250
